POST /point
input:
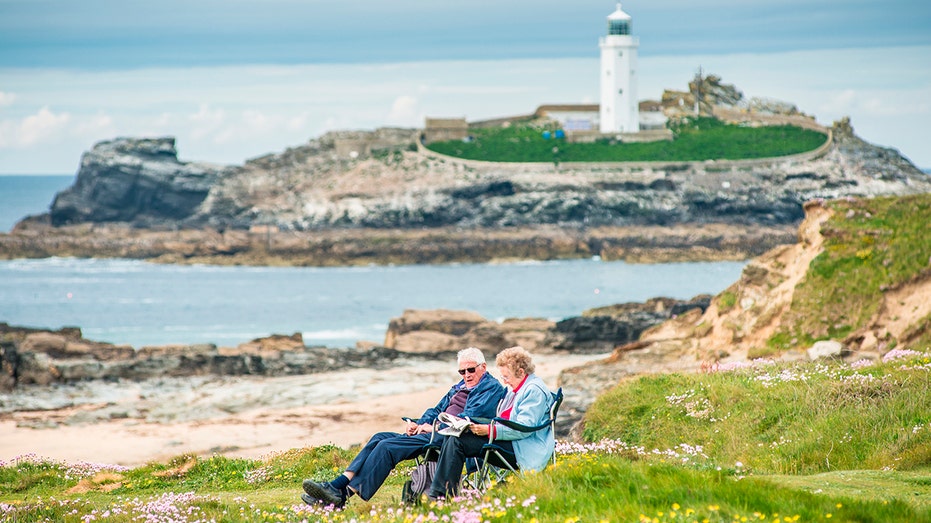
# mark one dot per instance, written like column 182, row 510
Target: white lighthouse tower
column 620, row 112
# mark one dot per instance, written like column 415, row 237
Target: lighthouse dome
column 619, row 14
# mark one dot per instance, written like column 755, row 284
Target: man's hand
column 413, row 428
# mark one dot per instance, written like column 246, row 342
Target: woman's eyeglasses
column 470, row 370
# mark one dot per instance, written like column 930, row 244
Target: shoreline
column 355, row 247
column 240, row 417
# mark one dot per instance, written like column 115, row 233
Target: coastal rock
column 452, row 323
column 37, row 357
column 270, row 345
column 603, row 329
column 596, row 331
column 426, row 331
column 825, row 349
column 135, row 180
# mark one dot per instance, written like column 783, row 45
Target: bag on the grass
column 419, row 483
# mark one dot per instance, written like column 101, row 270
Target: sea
column 137, row 303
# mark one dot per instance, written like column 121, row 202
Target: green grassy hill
column 696, row 139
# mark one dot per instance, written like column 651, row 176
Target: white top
column 619, row 14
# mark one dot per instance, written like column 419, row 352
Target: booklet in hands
column 454, row 425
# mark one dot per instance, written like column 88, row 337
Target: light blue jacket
column 531, row 407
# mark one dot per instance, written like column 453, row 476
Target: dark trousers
column 378, row 458
column 453, row 455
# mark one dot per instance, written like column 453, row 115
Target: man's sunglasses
column 470, row 370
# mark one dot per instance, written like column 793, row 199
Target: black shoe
column 322, row 493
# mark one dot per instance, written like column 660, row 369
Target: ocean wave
column 342, row 334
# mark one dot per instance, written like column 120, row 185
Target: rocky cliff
column 139, row 181
column 363, row 197
column 382, row 179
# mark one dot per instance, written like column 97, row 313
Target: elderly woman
column 527, row 402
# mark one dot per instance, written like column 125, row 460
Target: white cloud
column 841, row 103
column 405, row 112
column 206, row 121
column 43, row 126
column 97, row 125
column 297, row 122
column 7, row 98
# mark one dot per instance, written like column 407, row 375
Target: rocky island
column 360, row 197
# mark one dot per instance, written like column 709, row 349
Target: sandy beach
column 134, row 423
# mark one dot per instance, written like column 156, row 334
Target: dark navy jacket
column 481, row 402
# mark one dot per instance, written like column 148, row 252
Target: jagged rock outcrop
column 38, row 357
column 605, row 328
column 596, row 331
column 134, row 180
column 425, row 331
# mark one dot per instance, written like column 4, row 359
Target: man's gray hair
column 471, row 354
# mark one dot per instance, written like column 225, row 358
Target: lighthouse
column 619, row 111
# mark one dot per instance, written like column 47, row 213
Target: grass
column 781, row 419
column 759, row 442
column 871, row 245
column 696, row 139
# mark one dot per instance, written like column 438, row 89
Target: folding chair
column 495, row 467
column 431, row 453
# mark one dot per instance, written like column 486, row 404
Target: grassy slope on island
column 871, row 246
column 696, row 139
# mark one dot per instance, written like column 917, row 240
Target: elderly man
column 476, row 395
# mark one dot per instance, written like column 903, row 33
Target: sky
column 236, row 79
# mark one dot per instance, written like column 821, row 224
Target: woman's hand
column 479, row 430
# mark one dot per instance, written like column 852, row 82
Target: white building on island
column 619, row 105
column 618, row 117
